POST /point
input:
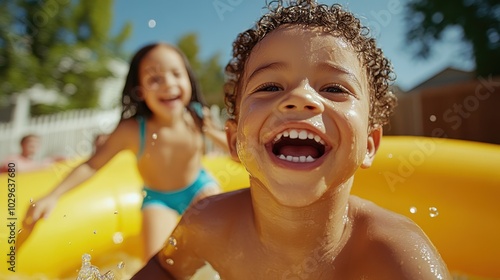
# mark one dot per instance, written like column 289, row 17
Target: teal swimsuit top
column 142, row 135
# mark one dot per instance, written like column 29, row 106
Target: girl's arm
column 213, row 132
column 117, row 141
column 217, row 136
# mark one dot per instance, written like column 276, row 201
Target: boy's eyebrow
column 329, row 66
column 271, row 65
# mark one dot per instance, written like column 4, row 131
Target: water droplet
column 169, row 261
column 152, row 23
column 144, row 194
column 154, row 136
column 31, row 200
column 116, row 212
column 413, row 209
column 172, row 241
column 95, row 231
column 120, row 265
column 107, row 276
column 389, row 155
column 69, row 243
column 33, row 205
column 117, row 238
column 64, row 216
column 433, row 212
column 86, row 258
column 432, row 118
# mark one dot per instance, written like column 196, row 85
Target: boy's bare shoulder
column 391, row 243
column 220, row 208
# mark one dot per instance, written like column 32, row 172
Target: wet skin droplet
column 172, row 241
column 169, row 261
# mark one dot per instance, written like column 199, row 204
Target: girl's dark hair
column 331, row 19
column 133, row 105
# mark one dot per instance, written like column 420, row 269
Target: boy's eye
column 336, row 89
column 269, row 87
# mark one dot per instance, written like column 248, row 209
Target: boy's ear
column 372, row 145
column 231, row 132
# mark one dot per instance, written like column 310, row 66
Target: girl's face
column 164, row 82
column 302, row 126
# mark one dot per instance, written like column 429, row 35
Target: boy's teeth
column 297, row 159
column 302, row 134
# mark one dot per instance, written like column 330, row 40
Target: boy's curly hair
column 332, row 19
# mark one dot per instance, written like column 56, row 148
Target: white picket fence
column 67, row 134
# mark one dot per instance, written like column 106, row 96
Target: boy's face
column 303, row 115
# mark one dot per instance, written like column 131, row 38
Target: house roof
column 446, row 76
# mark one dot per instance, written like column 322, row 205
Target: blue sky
column 217, row 23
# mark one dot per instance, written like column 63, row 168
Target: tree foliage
column 209, row 72
column 479, row 21
column 63, row 45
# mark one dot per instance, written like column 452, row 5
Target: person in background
column 26, row 161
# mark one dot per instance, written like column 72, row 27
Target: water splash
column 433, row 212
column 91, row 272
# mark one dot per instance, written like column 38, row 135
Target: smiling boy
column 308, row 93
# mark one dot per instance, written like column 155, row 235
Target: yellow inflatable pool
column 450, row 188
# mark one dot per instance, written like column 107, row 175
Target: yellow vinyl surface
column 450, row 188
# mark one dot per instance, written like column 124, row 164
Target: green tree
column 479, row 21
column 60, row 44
column 209, row 72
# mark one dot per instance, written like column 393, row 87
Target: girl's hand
column 39, row 209
column 208, row 123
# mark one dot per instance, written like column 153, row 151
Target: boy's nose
column 302, row 99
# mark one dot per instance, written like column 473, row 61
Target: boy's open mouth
column 298, row 145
